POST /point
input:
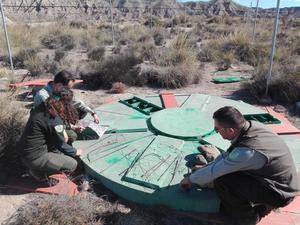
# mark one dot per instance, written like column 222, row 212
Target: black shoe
column 262, row 210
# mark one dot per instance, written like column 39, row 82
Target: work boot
column 37, row 176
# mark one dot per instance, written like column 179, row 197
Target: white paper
column 100, row 130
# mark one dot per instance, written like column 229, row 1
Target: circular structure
column 144, row 153
column 182, row 123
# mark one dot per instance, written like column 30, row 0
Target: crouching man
column 256, row 174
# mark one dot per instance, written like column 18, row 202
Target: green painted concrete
column 144, row 157
column 182, row 122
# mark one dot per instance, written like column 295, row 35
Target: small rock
column 265, row 100
column 279, row 109
column 298, row 107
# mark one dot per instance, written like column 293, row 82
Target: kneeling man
column 257, row 173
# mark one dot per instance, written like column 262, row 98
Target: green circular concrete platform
column 182, row 123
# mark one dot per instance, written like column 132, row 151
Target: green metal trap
column 264, row 118
column 144, row 154
column 141, row 105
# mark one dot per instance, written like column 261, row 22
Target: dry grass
column 134, row 33
column 21, row 37
column 64, row 210
column 12, row 121
column 285, row 80
column 237, row 44
column 117, row 88
column 177, row 76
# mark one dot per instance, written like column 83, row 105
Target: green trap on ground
column 144, row 154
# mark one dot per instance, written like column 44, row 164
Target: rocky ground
column 10, row 200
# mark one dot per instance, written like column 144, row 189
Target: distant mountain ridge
column 210, row 8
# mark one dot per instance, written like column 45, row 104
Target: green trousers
column 51, row 163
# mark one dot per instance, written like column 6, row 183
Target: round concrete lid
column 182, row 122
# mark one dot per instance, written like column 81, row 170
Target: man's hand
column 96, row 118
column 185, row 184
column 209, row 152
column 79, row 152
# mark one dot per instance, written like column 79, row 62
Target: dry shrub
column 177, row 76
column 64, row 210
column 21, row 37
column 111, row 70
column 97, row 53
column 36, row 66
column 58, row 39
column 154, row 21
column 214, row 19
column 181, row 19
column 146, row 51
column 59, row 55
column 12, row 121
column 180, row 51
column 177, row 65
column 284, row 83
column 78, row 24
column 226, row 61
column 134, row 33
column 158, row 36
column 237, row 43
column 117, row 88
column 139, row 75
column 4, row 72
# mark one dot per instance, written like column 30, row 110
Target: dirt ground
column 12, row 201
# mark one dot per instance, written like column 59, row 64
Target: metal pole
column 7, row 39
column 112, row 23
column 254, row 26
column 250, row 14
column 273, row 47
column 151, row 11
column 184, row 14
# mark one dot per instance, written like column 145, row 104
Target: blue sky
column 265, row 3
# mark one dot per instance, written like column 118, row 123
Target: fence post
column 112, row 23
column 254, row 26
column 273, row 47
column 151, row 11
column 7, row 39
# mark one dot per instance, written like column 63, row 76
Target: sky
column 264, row 3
